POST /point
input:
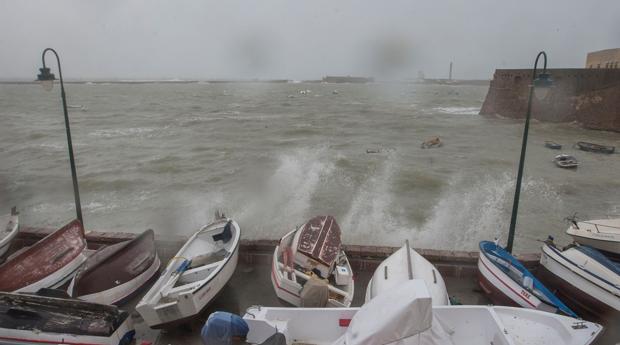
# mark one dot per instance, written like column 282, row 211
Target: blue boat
column 507, row 282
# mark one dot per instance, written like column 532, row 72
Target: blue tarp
column 221, row 327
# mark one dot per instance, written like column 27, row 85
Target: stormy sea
column 271, row 155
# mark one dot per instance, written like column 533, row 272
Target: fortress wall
column 588, row 96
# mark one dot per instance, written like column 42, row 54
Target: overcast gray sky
column 299, row 39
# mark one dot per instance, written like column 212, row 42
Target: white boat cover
column 390, row 318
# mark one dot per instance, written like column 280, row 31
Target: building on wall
column 608, row 58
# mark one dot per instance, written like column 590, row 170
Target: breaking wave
column 458, row 110
column 472, row 211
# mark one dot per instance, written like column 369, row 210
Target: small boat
column 406, row 316
column 31, row 319
column 582, row 277
column 566, row 161
column 507, row 282
column 48, row 263
column 553, row 145
column 602, row 234
column 194, row 276
column 591, row 147
column 431, row 143
column 9, row 233
column 115, row 273
column 406, row 264
column 310, row 268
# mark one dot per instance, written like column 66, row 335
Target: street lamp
column 46, row 78
column 540, row 87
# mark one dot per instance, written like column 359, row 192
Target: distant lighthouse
column 450, row 75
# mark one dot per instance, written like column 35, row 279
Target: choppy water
column 165, row 156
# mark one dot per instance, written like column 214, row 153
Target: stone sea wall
column 590, row 97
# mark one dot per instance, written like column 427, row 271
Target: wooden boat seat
column 197, row 273
column 208, row 258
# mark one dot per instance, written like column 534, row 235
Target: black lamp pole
column 542, row 81
column 47, row 79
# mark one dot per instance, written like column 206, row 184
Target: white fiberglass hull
column 597, row 241
column 603, row 234
column 604, row 295
column 454, row 325
column 394, row 270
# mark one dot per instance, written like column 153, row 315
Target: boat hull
column 604, row 245
column 607, row 242
column 57, row 278
column 121, row 293
column 187, row 306
column 116, row 272
column 581, row 294
column 48, row 263
column 451, row 325
column 502, row 290
column 395, row 270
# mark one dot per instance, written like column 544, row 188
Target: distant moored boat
column 591, row 147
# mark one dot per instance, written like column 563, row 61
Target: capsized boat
column 310, row 268
column 507, row 282
column 565, row 161
column 406, row 264
column 194, row 275
column 115, row 273
column 585, row 279
column 30, row 319
column 553, row 145
column 48, row 263
column 602, row 234
column 407, row 317
column 9, row 233
column 591, row 147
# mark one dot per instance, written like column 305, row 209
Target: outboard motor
column 223, row 328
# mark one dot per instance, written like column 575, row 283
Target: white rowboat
column 194, row 275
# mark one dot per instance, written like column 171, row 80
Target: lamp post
column 46, row 78
column 540, row 87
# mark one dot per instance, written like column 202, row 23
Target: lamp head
column 46, row 78
column 542, row 85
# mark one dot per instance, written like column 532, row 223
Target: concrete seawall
column 458, row 264
column 587, row 96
